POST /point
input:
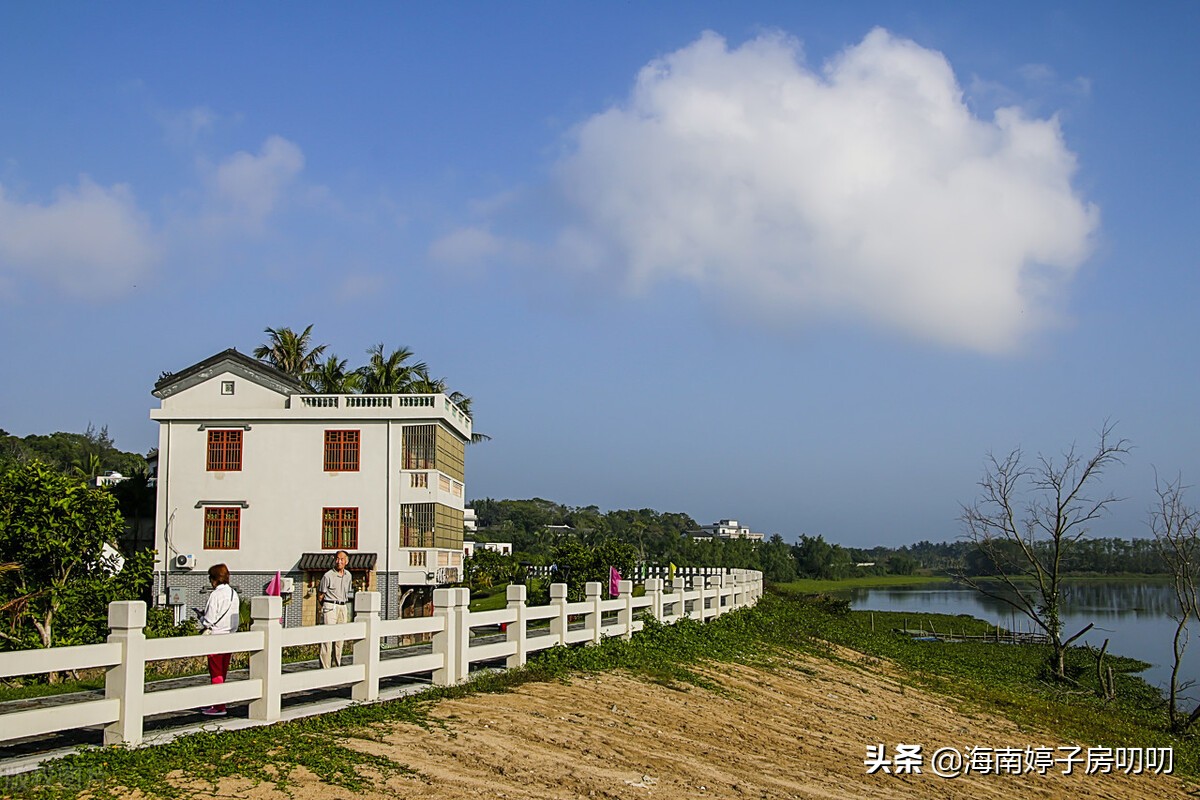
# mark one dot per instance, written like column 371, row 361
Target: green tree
column 578, row 563
column 290, row 351
column 331, row 377
column 53, row 528
column 487, row 568
column 778, row 564
column 391, row 373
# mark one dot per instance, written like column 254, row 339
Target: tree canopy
column 59, row 577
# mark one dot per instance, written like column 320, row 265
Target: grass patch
column 815, row 586
column 996, row 678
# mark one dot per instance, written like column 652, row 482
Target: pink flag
column 275, row 588
column 614, row 582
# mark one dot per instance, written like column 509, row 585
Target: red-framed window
column 341, row 451
column 224, row 451
column 222, row 528
column 339, row 529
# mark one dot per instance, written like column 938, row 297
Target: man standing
column 333, row 598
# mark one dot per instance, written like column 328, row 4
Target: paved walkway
column 25, row 754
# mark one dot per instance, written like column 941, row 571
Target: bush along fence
column 126, row 703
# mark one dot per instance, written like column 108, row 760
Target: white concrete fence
column 127, row 704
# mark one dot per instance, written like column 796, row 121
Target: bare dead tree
column 1025, row 522
column 1176, row 529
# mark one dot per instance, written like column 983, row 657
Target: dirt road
column 797, row 731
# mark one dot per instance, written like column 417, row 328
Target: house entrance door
column 308, row 611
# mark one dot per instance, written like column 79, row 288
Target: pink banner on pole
column 275, row 588
column 614, row 582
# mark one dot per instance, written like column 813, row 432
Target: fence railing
column 126, row 703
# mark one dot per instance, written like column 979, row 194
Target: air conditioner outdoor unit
column 185, row 561
column 287, row 585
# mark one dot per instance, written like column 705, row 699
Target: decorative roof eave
column 324, row 561
column 240, row 364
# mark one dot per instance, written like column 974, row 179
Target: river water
column 1133, row 616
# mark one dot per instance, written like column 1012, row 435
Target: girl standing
column 221, row 616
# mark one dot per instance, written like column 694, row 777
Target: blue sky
column 799, row 266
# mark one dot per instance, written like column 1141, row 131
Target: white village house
column 256, row 472
column 725, row 529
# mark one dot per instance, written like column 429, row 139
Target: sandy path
column 795, row 732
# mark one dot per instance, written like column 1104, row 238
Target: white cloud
column 184, row 128
column 251, row 186
column 464, row 246
column 868, row 189
column 90, row 241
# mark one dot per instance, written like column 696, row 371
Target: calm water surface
column 1132, row 616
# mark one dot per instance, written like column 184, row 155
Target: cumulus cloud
column 251, row 186
column 90, row 240
column 866, row 189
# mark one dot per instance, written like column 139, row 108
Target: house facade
column 260, row 474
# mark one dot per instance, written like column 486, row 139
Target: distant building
column 110, row 478
column 503, row 548
column 470, row 521
column 725, row 529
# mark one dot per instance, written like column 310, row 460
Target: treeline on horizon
column 658, row 537
column 86, row 454
column 536, row 526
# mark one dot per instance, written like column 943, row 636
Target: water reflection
column 1133, row 616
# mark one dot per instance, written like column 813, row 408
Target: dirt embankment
column 795, row 732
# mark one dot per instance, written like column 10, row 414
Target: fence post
column 126, row 682
column 448, row 641
column 367, row 606
column 719, row 602
column 266, row 665
column 699, row 584
column 516, row 629
column 558, row 623
column 593, row 618
column 625, row 614
column 654, row 592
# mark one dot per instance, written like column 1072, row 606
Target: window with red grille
column 339, row 529
column 341, row 451
column 222, row 528
column 224, row 451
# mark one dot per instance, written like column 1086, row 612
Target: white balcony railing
column 402, row 405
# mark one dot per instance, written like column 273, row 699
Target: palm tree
column 389, row 373
column 422, row 383
column 289, row 351
column 464, row 405
column 88, row 466
column 330, row 377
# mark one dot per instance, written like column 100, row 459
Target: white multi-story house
column 725, row 529
column 259, row 474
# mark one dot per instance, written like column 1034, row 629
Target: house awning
column 324, row 561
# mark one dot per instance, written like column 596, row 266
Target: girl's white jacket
column 221, row 614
